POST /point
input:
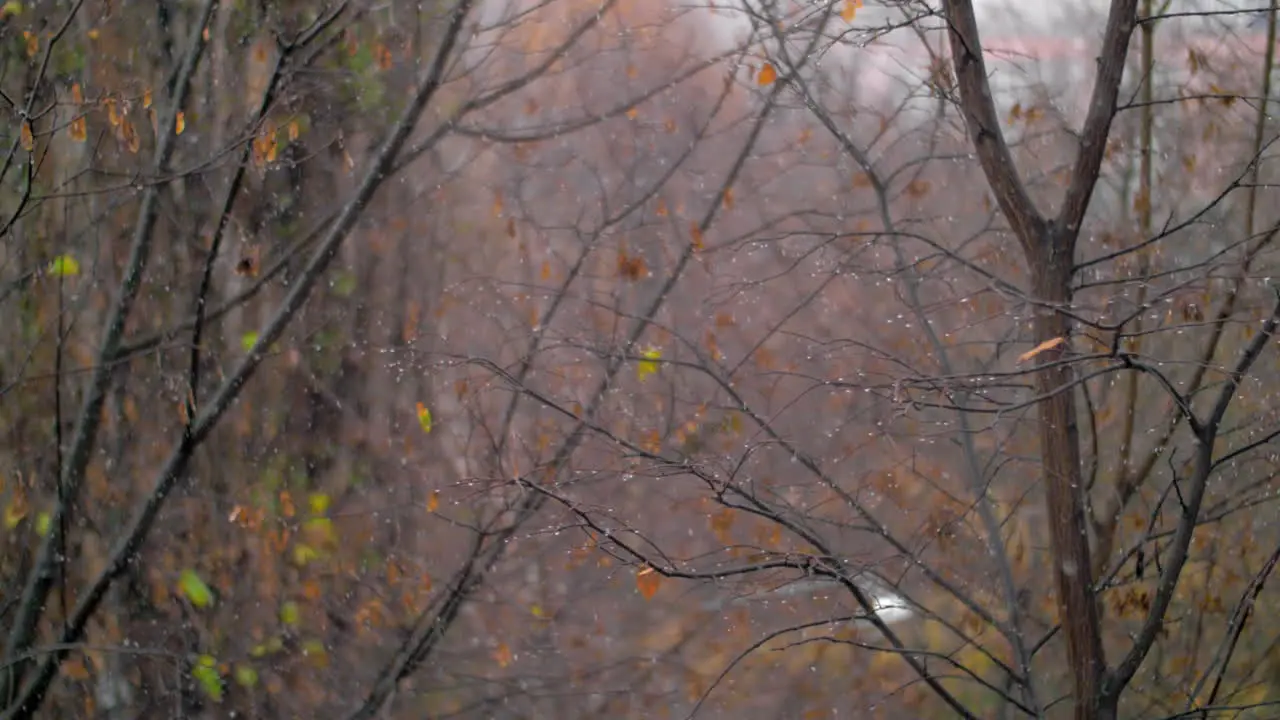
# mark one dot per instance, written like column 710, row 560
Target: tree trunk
column 1063, row 479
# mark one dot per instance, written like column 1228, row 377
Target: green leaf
column 424, row 418
column 43, row 523
column 195, row 589
column 64, row 266
column 290, row 613
column 246, row 676
column 248, row 340
column 13, row 7
column 206, row 674
column 649, row 365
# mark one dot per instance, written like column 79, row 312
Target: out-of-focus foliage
column 672, row 343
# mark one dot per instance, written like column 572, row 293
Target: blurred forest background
column 623, row 358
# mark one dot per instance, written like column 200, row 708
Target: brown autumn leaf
column 695, row 235
column 728, row 199
column 28, row 140
column 767, row 75
column 721, row 523
column 1042, row 347
column 648, row 581
column 918, row 188
column 631, row 267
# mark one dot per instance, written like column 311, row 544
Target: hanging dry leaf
column 180, row 123
column 647, row 582
column 1042, row 347
column 27, row 139
column 850, row 10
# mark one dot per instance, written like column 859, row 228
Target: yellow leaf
column 647, row 582
column 14, row 512
column 64, row 266
column 28, row 140
column 33, row 43
column 146, row 99
column 294, row 130
column 180, row 123
column 649, row 365
column 290, row 613
column 767, row 75
column 319, row 503
column 424, row 418
column 1042, row 347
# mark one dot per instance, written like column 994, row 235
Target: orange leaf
column 1042, row 347
column 180, row 123
column 850, row 10
column 695, row 235
column 433, row 502
column 728, row 199
column 767, row 75
column 503, row 655
column 130, row 134
column 28, row 140
column 647, row 582
column 78, row 129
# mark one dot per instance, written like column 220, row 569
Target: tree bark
column 1049, row 250
column 1064, row 479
